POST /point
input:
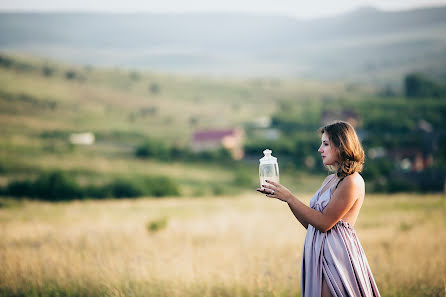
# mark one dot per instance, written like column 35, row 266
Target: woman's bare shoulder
column 354, row 180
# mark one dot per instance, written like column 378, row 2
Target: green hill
column 42, row 102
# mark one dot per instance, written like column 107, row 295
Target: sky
column 302, row 9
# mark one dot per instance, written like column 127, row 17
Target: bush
column 57, row 186
column 47, row 71
column 157, row 225
column 19, row 189
column 155, row 186
column 160, row 186
column 6, row 62
column 124, row 188
column 71, row 74
column 153, row 148
column 154, row 88
column 52, row 186
column 418, row 86
column 93, row 191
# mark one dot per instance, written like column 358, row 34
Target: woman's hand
column 275, row 190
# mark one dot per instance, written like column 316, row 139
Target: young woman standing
column 333, row 263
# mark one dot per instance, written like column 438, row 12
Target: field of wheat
column 208, row 246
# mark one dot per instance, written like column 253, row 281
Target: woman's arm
column 342, row 201
column 300, row 218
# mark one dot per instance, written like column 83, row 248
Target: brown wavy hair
column 343, row 137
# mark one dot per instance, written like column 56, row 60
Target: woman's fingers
column 265, row 190
column 269, row 190
column 271, row 182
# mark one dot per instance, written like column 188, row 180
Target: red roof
column 212, row 135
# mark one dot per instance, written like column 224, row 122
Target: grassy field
column 243, row 246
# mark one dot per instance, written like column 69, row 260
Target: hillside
column 42, row 102
column 363, row 45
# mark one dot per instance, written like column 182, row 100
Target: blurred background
column 104, row 102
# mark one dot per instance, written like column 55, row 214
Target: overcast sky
column 303, row 9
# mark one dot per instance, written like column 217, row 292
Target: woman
column 333, row 263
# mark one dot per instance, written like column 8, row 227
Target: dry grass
column 246, row 246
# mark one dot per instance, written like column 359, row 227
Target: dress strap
column 339, row 182
column 334, row 175
column 324, row 184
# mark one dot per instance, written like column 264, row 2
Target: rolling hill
column 363, row 45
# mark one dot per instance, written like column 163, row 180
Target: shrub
column 19, row 189
column 156, row 186
column 160, row 186
column 157, row 225
column 124, row 188
column 154, row 88
column 5, row 61
column 52, row 186
column 56, row 186
column 153, row 148
column 93, row 191
column 217, row 189
column 418, row 86
column 47, row 71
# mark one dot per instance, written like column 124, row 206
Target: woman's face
column 328, row 152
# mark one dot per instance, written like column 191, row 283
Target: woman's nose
column 320, row 149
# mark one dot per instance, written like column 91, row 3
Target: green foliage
column 153, row 149
column 418, row 86
column 29, row 100
column 293, row 149
column 157, row 225
column 154, row 88
column 71, row 74
column 98, row 192
column 396, row 125
column 52, row 186
column 244, row 178
column 124, row 188
column 57, row 186
column 381, row 167
column 217, row 189
column 47, row 71
column 5, row 61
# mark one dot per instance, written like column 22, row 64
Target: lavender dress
column 337, row 256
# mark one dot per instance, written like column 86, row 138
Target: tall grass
column 247, row 246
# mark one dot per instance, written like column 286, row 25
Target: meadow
column 245, row 245
column 218, row 238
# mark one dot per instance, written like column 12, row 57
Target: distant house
column 86, row 138
column 209, row 140
column 261, row 128
column 412, row 159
